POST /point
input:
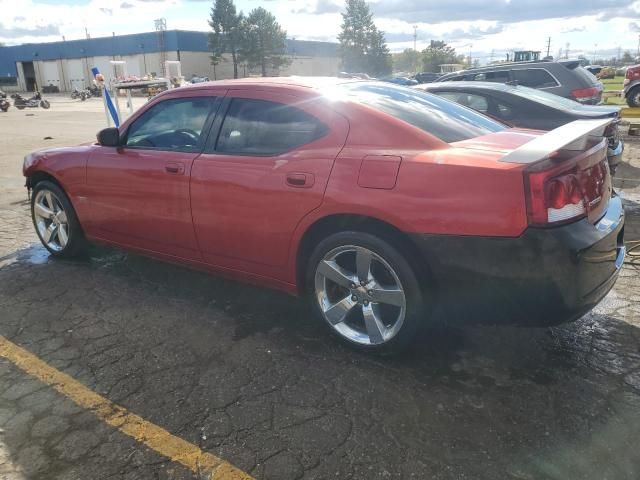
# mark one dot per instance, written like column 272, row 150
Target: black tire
column 416, row 315
column 20, row 107
column 76, row 244
column 45, row 104
column 633, row 97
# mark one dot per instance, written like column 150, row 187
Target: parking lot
column 248, row 376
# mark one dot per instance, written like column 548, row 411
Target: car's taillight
column 584, row 95
column 564, row 191
column 563, row 198
column 554, row 196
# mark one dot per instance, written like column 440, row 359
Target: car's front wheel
column 55, row 221
column 365, row 291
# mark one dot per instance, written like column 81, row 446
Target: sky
column 486, row 29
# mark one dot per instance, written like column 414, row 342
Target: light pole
column 595, row 51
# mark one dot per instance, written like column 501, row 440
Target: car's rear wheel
column 55, row 221
column 633, row 97
column 365, row 291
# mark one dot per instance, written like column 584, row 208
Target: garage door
column 76, row 74
column 50, row 75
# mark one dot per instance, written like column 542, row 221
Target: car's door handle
column 300, row 180
column 175, row 168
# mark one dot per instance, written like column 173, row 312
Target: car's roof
column 299, row 82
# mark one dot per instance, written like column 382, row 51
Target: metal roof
column 174, row 40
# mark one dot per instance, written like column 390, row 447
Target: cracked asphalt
column 248, row 375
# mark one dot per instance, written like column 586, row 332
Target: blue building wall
column 174, row 40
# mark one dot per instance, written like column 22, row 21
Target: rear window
column 441, row 118
column 586, row 76
column 545, row 98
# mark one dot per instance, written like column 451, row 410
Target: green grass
column 613, row 84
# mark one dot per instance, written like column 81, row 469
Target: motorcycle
column 34, row 102
column 4, row 104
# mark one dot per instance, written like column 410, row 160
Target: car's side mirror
column 109, row 137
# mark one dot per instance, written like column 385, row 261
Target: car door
column 266, row 169
column 138, row 193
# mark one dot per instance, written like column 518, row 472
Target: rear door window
column 534, row 78
column 477, row 102
column 259, row 128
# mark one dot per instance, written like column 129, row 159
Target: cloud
column 107, row 11
column 509, row 11
column 634, row 27
column 37, row 31
column 19, row 18
column 457, row 34
column 126, row 5
column 320, row 7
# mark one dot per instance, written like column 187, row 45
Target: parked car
column 399, row 80
column 606, row 73
column 427, row 77
column 526, row 107
column 631, row 86
column 565, row 78
column 388, row 207
column 594, row 69
column 196, row 79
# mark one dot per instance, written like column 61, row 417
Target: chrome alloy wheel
column 360, row 295
column 51, row 220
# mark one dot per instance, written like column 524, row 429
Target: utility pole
column 566, row 50
column 638, row 55
column 595, row 51
column 549, row 46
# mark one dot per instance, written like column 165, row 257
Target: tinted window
column 501, row 76
column 171, row 125
column 586, row 76
column 534, row 78
column 260, row 127
column 439, row 117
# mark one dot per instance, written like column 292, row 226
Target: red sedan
column 391, row 208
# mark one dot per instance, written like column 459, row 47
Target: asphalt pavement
column 249, row 376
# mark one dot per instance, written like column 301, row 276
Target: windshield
column 441, row 118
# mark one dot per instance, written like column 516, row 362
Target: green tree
column 362, row 45
column 438, row 53
column 406, row 61
column 627, row 57
column 264, row 41
column 227, row 34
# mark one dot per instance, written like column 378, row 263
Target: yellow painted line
column 153, row 436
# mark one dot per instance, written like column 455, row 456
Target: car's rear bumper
column 544, row 277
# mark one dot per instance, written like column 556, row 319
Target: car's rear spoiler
column 572, row 136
